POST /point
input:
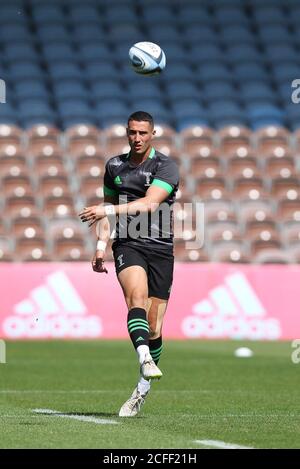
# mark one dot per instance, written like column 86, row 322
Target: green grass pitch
column 205, row 394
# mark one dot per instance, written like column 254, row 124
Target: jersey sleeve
column 166, row 176
column 109, row 187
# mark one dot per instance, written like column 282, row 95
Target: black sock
column 138, row 327
column 155, row 347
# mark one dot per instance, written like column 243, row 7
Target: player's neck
column 137, row 159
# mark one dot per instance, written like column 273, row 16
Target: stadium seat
column 231, row 252
column 59, row 206
column 233, row 137
column 289, row 210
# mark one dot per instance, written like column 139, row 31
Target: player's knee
column 137, row 299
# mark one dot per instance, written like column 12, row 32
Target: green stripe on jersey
column 108, row 191
column 164, row 185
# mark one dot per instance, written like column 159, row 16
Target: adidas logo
column 232, row 310
column 117, row 180
column 140, row 339
column 52, row 310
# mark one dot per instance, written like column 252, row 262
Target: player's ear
column 153, row 132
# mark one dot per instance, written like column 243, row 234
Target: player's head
column 140, row 131
column 141, row 116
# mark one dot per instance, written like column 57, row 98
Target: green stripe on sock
column 139, row 327
column 155, row 355
column 138, row 323
column 132, row 321
column 159, row 349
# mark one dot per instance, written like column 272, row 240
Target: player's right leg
column 134, row 283
column 132, row 275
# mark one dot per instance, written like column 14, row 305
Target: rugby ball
column 147, row 58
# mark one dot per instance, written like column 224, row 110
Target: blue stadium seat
column 52, row 33
column 204, row 35
column 219, row 89
column 274, row 34
column 45, row 14
column 121, row 14
column 91, row 52
column 19, row 51
column 200, row 119
column 80, row 14
column 110, row 107
column 72, row 108
column 292, row 115
column 255, row 92
column 250, row 71
column 124, row 32
column 70, row 89
column 179, row 71
column 182, row 89
column 8, row 114
column 230, row 16
column 281, row 53
column 155, row 108
column 165, row 32
column 56, row 52
column 64, row 71
column 188, row 14
column 261, row 115
column 111, row 111
column 143, row 89
column 286, row 73
column 13, row 13
column 88, row 33
column 239, row 53
column 37, row 111
column 26, row 70
column 264, row 15
column 175, row 52
column 236, row 34
column 161, row 10
column 10, row 33
column 207, row 72
column 225, row 112
column 98, row 70
column 31, row 89
column 103, row 89
column 204, row 53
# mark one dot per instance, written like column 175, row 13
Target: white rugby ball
column 243, row 352
column 147, row 58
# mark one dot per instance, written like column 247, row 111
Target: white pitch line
column 220, row 444
column 82, row 418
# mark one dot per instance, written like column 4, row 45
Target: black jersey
column 130, row 182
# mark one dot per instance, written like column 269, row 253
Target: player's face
column 139, row 136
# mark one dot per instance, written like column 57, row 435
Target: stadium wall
column 217, row 301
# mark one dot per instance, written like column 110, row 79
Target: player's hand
column 92, row 214
column 98, row 262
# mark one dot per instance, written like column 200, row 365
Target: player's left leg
column 160, row 278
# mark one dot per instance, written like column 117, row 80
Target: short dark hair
column 141, row 116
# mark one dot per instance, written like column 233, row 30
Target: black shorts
column 158, row 264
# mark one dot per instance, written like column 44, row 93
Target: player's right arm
column 103, row 231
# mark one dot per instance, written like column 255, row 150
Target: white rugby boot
column 149, row 370
column 133, row 405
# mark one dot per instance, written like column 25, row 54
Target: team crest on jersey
column 148, row 178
